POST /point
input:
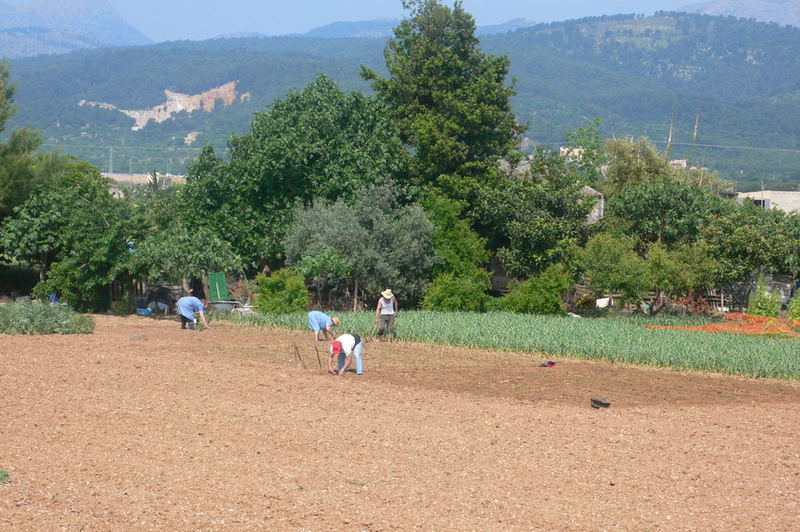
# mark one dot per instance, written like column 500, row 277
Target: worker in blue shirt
column 321, row 322
column 188, row 306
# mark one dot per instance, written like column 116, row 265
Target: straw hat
column 335, row 320
column 387, row 293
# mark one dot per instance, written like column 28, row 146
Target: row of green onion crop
column 615, row 339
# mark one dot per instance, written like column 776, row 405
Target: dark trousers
column 185, row 321
column 386, row 324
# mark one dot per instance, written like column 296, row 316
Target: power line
column 751, row 148
column 151, row 148
column 723, row 146
column 225, row 149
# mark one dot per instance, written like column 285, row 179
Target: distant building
column 784, row 200
column 118, row 181
column 598, row 210
column 576, row 154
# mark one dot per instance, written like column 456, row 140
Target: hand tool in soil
column 299, row 358
column 319, row 361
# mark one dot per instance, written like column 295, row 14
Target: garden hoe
column 299, row 358
column 319, row 361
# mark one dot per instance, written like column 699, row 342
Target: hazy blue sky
column 164, row 20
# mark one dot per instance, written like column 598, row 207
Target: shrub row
column 33, row 317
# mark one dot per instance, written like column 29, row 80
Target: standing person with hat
column 385, row 313
column 347, row 346
column 321, row 322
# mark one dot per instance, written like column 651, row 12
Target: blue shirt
column 318, row 321
column 188, row 305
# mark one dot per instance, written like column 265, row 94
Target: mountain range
column 383, row 28
column 726, row 91
column 783, row 12
column 55, row 26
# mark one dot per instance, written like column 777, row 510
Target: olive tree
column 372, row 243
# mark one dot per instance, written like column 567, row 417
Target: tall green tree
column 632, row 162
column 672, row 273
column 180, row 253
column 171, row 247
column 460, row 248
column 449, row 99
column 611, row 264
column 22, row 167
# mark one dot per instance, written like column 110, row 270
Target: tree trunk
column 206, row 286
column 43, row 269
column 355, row 295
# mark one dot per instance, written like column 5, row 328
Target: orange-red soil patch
column 736, row 322
column 142, row 426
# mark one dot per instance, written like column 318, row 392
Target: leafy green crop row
column 32, row 317
column 615, row 339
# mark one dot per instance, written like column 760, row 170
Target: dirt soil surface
column 143, row 426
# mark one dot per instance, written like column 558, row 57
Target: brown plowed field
column 224, row 429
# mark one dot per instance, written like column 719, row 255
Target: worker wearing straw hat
column 385, row 313
column 321, row 322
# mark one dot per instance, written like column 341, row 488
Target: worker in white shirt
column 347, row 347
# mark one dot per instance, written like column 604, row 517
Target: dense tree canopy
column 664, row 209
column 536, row 218
column 7, row 89
column 80, row 230
column 316, row 143
column 749, row 239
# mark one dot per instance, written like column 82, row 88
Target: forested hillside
column 719, row 81
column 778, row 11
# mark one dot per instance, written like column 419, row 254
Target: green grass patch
column 33, row 317
column 620, row 338
column 5, row 478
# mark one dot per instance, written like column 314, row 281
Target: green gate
column 218, row 286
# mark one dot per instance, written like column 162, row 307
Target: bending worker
column 188, row 306
column 347, row 346
column 321, row 322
